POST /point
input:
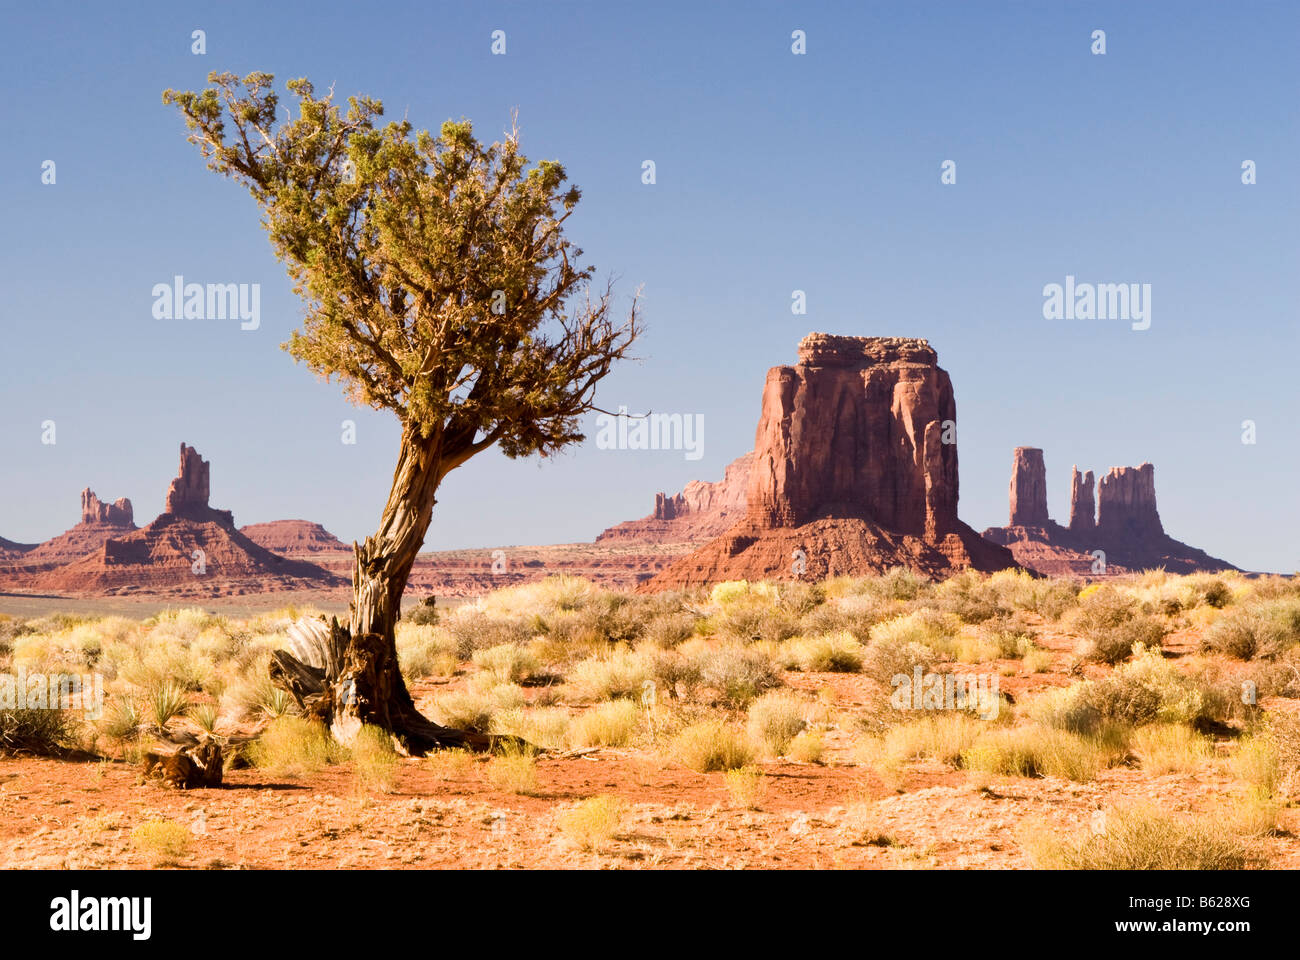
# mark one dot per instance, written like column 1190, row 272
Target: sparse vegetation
column 591, row 824
column 711, row 681
column 1145, row 838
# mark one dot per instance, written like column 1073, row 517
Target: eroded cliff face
column 855, row 471
column 1126, row 502
column 856, row 429
column 118, row 513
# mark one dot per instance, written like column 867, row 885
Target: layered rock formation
column 1028, row 488
column 854, row 472
column 293, row 538
column 1083, row 505
column 1126, row 529
column 190, row 549
column 9, row 550
column 702, row 510
column 118, row 513
column 99, row 522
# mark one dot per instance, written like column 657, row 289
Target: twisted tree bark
column 349, row 676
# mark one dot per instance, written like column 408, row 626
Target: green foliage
column 435, row 271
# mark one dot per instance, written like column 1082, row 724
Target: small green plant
column 37, row 732
column 206, row 716
column 121, row 719
column 166, row 700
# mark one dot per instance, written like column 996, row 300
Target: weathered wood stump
column 198, row 765
column 345, row 682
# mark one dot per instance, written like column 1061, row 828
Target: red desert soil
column 57, row 814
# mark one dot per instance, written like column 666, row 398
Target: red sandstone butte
column 1028, row 488
column 702, row 511
column 99, row 522
column 1127, row 529
column 1083, row 506
column 854, row 472
column 294, row 538
column 190, row 549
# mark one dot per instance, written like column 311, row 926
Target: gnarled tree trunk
column 349, row 676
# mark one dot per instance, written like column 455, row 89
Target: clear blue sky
column 775, row 172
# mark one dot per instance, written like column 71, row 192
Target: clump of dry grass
column 514, row 771
column 943, row 737
column 711, row 745
column 610, row 724
column 775, row 719
column 619, row 673
column 1145, row 838
column 293, row 745
column 165, row 842
column 747, row 786
column 507, row 663
column 374, row 759
column 591, row 824
column 1170, row 748
column 1036, row 751
column 456, row 764
column 806, row 747
column 738, row 674
column 825, row 653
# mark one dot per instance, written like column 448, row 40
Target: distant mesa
column 854, row 472
column 291, row 538
column 702, row 511
column 1125, row 527
column 189, row 549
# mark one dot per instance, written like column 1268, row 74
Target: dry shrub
column 591, row 824
column 1035, row 751
column 1143, row 837
column 711, row 745
column 293, row 745
column 747, row 786
column 775, row 719
column 165, row 842
column 611, row 724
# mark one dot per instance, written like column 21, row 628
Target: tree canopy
column 437, row 279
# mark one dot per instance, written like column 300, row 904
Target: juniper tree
column 438, row 284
